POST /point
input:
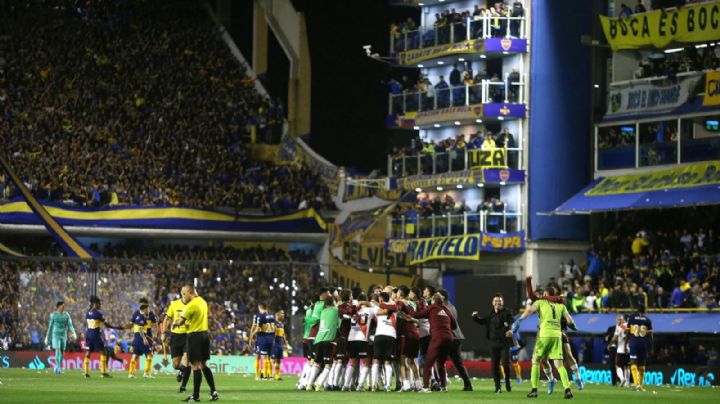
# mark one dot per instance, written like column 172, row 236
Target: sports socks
column 197, row 380
column 535, row 375
column 148, row 365
column 86, row 365
column 209, row 378
column 636, row 374
column 564, row 377
column 103, row 363
column 133, row 365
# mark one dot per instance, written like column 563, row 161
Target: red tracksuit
column 441, row 325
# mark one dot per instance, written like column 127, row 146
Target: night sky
column 349, row 102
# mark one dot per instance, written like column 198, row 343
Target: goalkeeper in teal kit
column 58, row 326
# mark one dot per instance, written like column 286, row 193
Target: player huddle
column 356, row 342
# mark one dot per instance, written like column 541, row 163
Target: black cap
column 94, row 300
column 60, row 303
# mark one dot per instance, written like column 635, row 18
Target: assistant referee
column 195, row 317
column 176, row 338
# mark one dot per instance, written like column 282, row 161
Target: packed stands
column 233, row 281
column 146, row 106
column 658, row 260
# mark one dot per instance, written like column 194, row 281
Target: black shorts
column 341, row 348
column 178, row 345
column 198, row 346
column 565, row 339
column 409, row 347
column 384, row 348
column 308, row 349
column 424, row 344
column 358, row 349
column 324, row 352
column 622, row 360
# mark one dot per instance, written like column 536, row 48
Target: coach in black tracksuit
column 498, row 324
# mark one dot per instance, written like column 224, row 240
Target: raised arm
column 529, row 311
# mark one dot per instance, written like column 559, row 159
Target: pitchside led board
column 660, row 28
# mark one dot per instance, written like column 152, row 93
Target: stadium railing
column 487, row 91
column 449, row 161
column 446, row 225
column 470, row 28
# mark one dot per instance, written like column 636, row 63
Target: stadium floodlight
column 483, row 56
column 421, row 66
column 437, row 125
column 703, row 45
column 439, row 188
column 322, row 273
column 370, row 270
column 441, row 62
column 459, row 186
column 461, row 59
column 502, row 183
column 596, row 85
column 457, row 123
column 368, row 49
column 416, row 127
column 480, row 185
column 673, row 50
column 418, row 189
column 250, row 279
column 501, row 118
column 478, row 120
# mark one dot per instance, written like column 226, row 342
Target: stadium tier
column 261, row 200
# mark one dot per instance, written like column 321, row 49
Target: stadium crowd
column 450, row 25
column 147, row 106
column 653, row 263
column 233, row 281
column 691, row 59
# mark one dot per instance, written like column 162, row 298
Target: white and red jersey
column 360, row 324
column 622, row 339
column 386, row 324
column 423, row 323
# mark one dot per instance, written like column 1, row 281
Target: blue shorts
column 139, row 348
column 277, row 351
column 59, row 342
column 638, row 350
column 264, row 344
column 94, row 343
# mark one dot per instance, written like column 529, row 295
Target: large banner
column 462, row 247
column 464, row 178
column 18, row 211
column 700, row 174
column 490, row 45
column 349, row 277
column 458, row 113
column 658, row 375
column 660, row 28
column 372, row 255
column 651, row 98
column 712, row 89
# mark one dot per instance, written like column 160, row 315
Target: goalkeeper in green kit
column 58, row 326
column 549, row 340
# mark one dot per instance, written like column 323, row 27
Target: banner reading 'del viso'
column 659, row 28
column 647, row 97
column 712, row 89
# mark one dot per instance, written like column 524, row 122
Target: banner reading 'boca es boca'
column 659, row 28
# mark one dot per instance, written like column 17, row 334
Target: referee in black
column 498, row 324
column 195, row 317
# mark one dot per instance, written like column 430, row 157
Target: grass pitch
column 31, row 386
